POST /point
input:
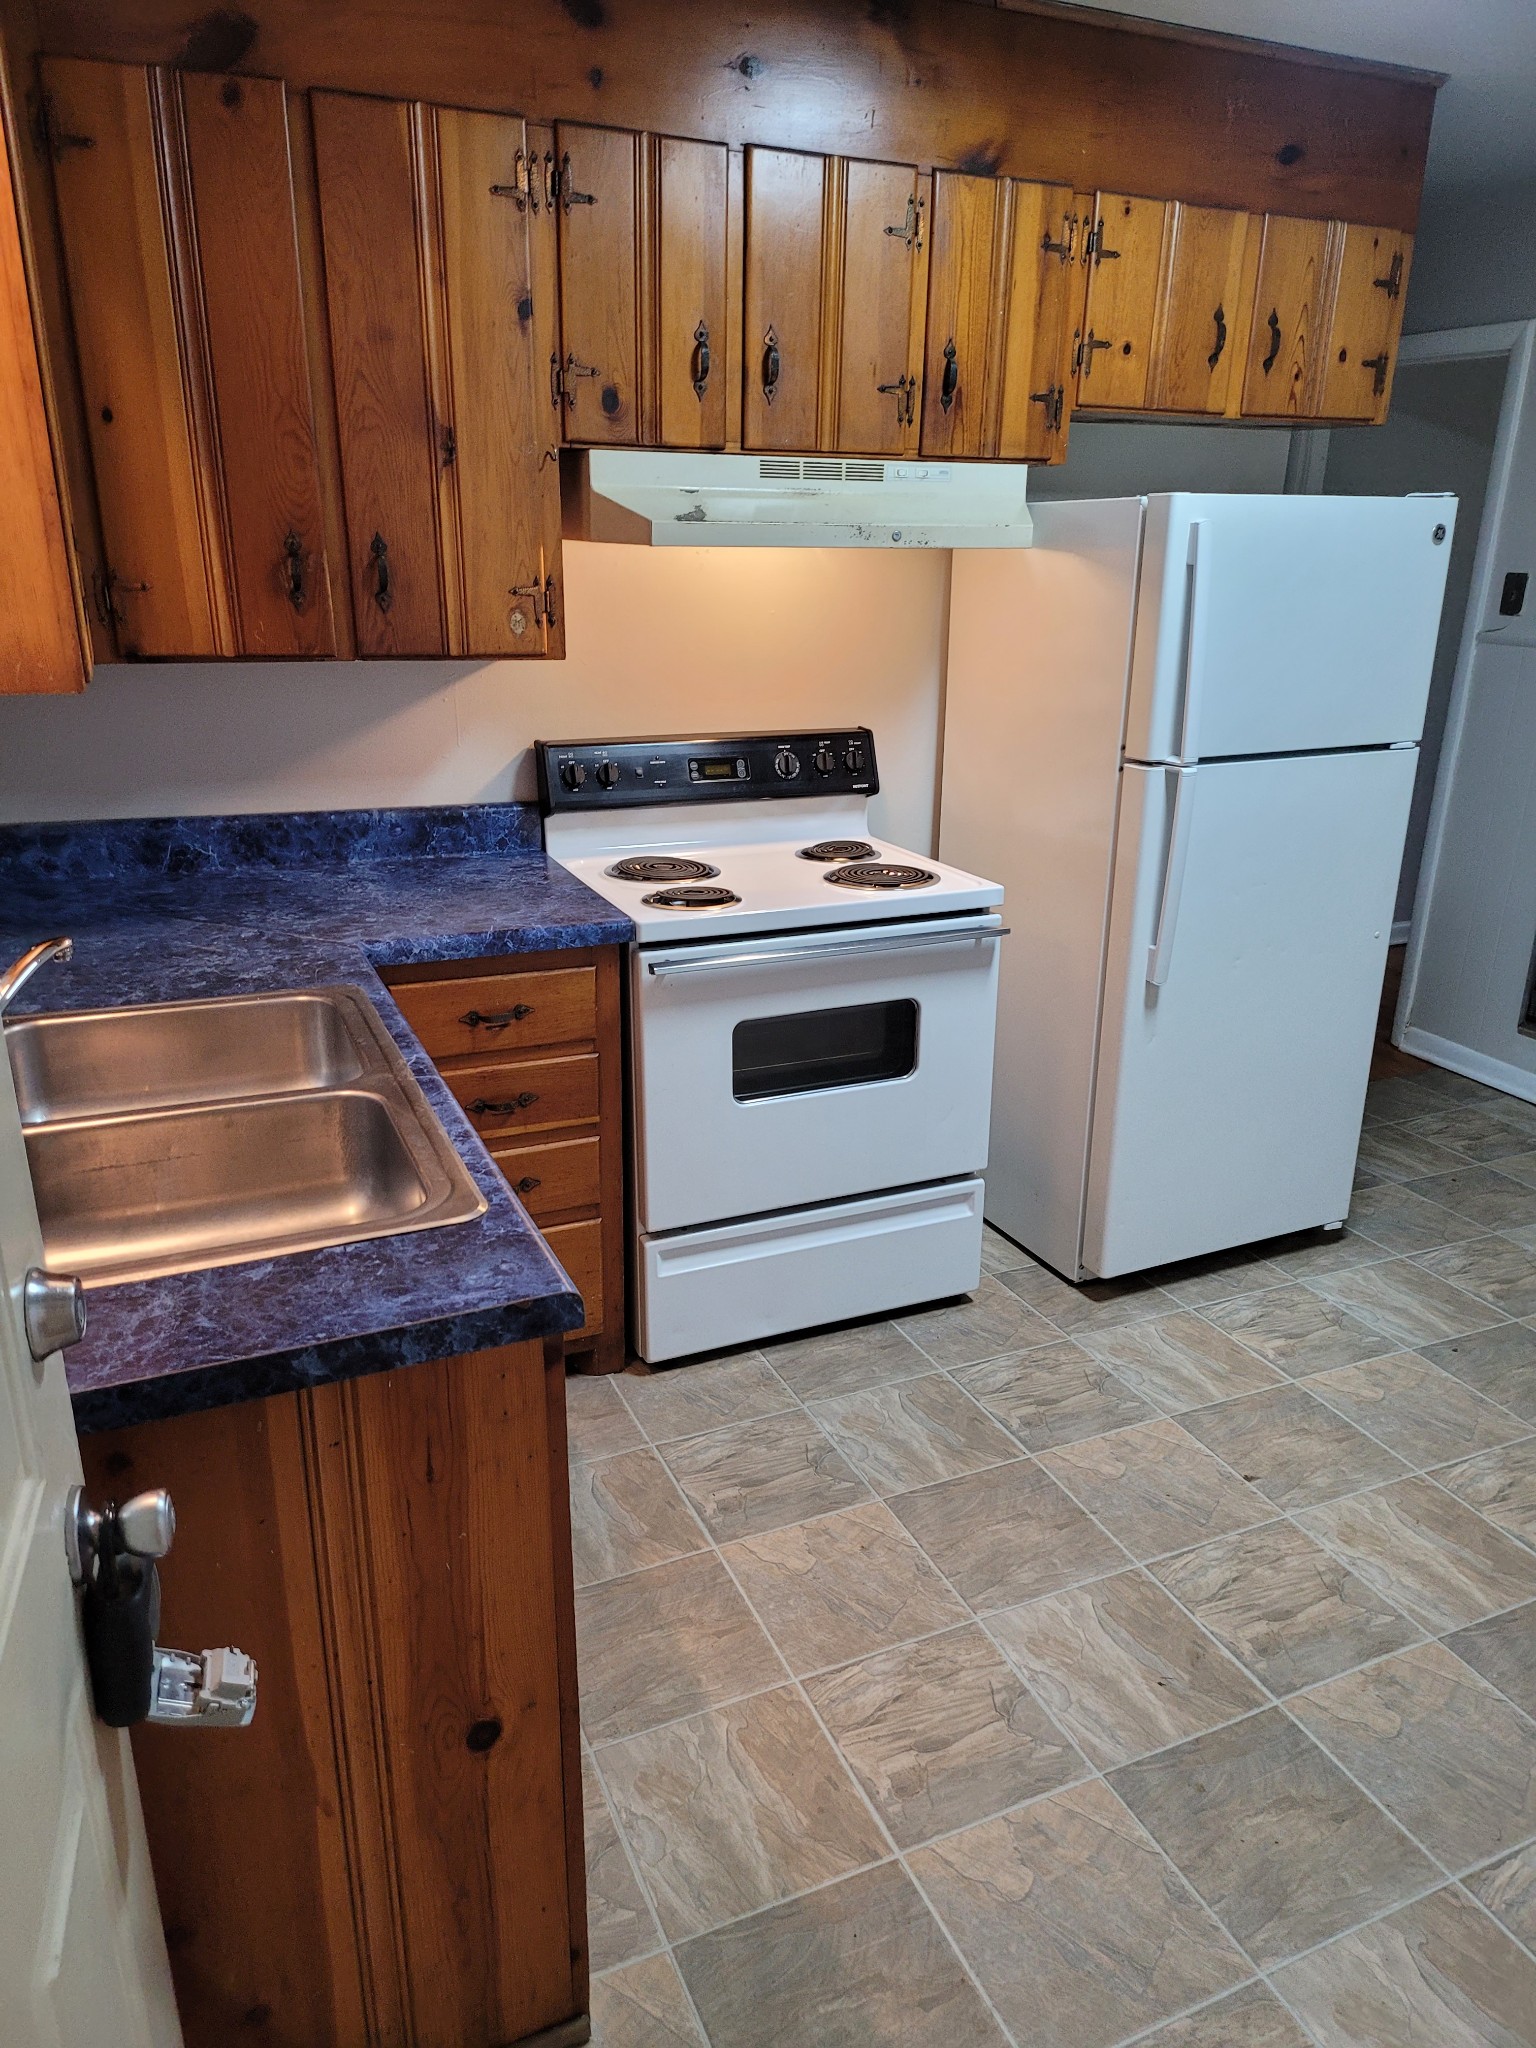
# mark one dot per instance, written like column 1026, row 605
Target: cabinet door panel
column 242, row 187
column 879, row 357
column 692, row 343
column 781, row 344
column 1044, row 227
column 1367, row 319
column 498, row 465
column 1198, row 309
column 1288, row 310
column 599, row 176
column 964, row 314
column 1123, row 276
column 544, row 248
column 123, row 303
column 370, row 158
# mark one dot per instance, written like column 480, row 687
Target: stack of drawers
column 531, row 1047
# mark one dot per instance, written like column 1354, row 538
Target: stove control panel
column 588, row 775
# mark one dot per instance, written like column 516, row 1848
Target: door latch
column 113, row 1556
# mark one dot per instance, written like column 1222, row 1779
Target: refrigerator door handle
column 1198, row 586
column 1160, row 952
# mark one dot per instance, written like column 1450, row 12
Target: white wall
column 1474, row 260
column 660, row 641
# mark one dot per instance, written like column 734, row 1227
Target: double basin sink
column 176, row 1136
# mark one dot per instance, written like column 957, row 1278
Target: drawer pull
column 528, row 1183
column 482, row 1106
column 496, row 1020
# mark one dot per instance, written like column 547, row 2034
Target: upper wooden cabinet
column 1371, row 266
column 694, row 332
column 448, row 441
column 598, row 186
column 1290, row 312
column 176, row 209
column 42, row 644
column 1202, row 309
column 786, row 199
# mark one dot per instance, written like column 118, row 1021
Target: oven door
column 771, row 1073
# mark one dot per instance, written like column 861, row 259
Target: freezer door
column 1276, row 625
column 1244, row 972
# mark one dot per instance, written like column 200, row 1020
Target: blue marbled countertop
column 167, row 909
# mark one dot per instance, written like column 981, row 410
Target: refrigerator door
column 1280, row 625
column 1243, row 977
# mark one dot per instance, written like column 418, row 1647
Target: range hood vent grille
column 818, row 469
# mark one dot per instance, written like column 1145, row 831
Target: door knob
column 53, row 1311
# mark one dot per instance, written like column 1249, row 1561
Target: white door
column 1248, row 934
column 1290, row 623
column 82, row 1960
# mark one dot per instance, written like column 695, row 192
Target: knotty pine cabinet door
column 1290, row 312
column 1124, row 257
column 176, row 210
column 1371, row 276
column 599, row 182
column 786, row 200
column 449, row 458
column 692, row 343
column 966, row 270
column 1201, row 315
column 878, row 308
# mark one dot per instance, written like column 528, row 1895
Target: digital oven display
column 718, row 768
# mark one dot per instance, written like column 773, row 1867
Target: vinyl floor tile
column 1291, row 1447
column 682, row 1400
column 597, row 1423
column 840, row 1587
column 1180, row 1361
column 1508, row 1889
column 1426, row 1553
column 1295, row 1330
column 847, row 1360
column 1076, row 1927
column 1000, row 1254
column 860, row 1964
column 666, row 1642
column 1494, row 1268
column 1285, row 1607
column 1402, row 1152
column 1500, row 1484
column 1503, row 1649
column 620, row 1923
column 1155, row 1488
column 627, row 1513
column 1426, row 1416
column 1438, row 1974
column 644, row 2006
column 1500, row 1363
column 1121, row 1668
column 1250, row 2018
column 1472, row 1133
column 986, row 1324
column 1482, row 1194
column 763, row 1475
column 914, row 1433
column 1090, row 1305
column 1309, row 1252
column 1406, row 1304
column 1448, row 1757
column 1053, row 1395
column 1401, row 1218
column 736, row 1809
column 1193, row 1282
column 1006, row 1535
column 1392, row 1099
column 942, row 1733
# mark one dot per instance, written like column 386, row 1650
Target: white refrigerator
column 1182, row 732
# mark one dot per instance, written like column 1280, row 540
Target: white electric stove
column 810, row 1027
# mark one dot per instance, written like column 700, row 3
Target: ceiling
column 1485, row 117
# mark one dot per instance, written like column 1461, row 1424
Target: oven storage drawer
column 809, row 1067
column 700, row 1289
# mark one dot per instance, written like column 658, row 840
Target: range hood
column 662, row 499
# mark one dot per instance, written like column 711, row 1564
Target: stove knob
column 786, row 764
column 573, row 775
column 608, row 773
column 824, row 760
column 853, row 757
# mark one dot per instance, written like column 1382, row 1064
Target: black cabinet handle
column 496, row 1020
column 482, row 1106
column 1220, row 317
column 383, row 585
column 700, row 359
column 1378, row 365
column 772, row 364
column 293, row 570
column 1274, row 341
column 949, row 383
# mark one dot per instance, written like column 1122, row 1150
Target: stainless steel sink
column 176, row 1136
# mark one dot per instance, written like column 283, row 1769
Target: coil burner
column 659, row 867
column 838, row 849
column 880, row 874
column 696, row 897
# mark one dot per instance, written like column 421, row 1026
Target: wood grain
column 1290, row 312
column 882, row 283
column 1200, row 310
column 691, row 292
column 784, row 243
column 1033, row 405
column 1366, row 321
column 1123, row 277
column 599, row 216
column 964, row 300
column 544, row 251
column 510, row 1012
column 554, row 1179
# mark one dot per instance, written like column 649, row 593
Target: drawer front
column 503, row 1098
column 579, row 1248
column 552, row 1178
column 494, row 1013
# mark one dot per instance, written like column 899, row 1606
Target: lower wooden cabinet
column 390, row 1855
column 531, row 1048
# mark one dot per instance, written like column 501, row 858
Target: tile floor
column 1153, row 1661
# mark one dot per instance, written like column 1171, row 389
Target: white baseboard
column 1463, row 1059
column 1400, row 931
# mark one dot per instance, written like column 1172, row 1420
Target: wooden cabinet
column 448, row 449
column 42, row 640
column 786, row 198
column 694, row 334
column 391, row 1853
column 1371, row 266
column 1290, row 314
column 874, row 338
column 176, row 209
column 531, row 1048
column 1202, row 310
column 1123, row 253
column 965, row 268
column 598, row 185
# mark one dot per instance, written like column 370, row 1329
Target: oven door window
column 811, row 1049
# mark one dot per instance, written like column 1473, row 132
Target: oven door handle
column 847, row 949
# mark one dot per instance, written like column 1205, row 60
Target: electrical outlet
column 1512, row 598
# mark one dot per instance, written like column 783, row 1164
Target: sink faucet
column 20, row 972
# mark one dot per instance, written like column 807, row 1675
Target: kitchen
column 868, row 1680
